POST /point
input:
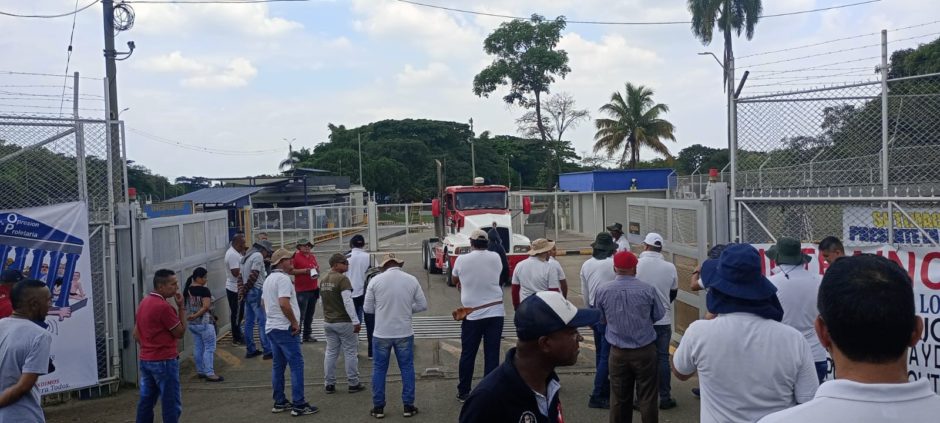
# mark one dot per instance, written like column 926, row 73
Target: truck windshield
column 481, row 200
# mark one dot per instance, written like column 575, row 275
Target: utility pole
column 359, row 138
column 473, row 156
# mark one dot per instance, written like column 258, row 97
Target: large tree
column 559, row 114
column 526, row 60
column 728, row 15
column 635, row 121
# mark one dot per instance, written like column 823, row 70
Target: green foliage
column 728, row 16
column 147, row 184
column 702, row 158
column 636, row 121
column 925, row 59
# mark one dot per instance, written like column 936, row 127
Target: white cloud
column 438, row 33
column 251, row 19
column 412, row 76
column 172, row 62
column 237, row 74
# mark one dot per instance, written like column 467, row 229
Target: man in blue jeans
column 283, row 330
column 595, row 272
column 157, row 327
column 254, row 272
column 660, row 274
column 393, row 296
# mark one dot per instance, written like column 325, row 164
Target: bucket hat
column 737, row 273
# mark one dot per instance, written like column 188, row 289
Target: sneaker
column 280, row 407
column 331, row 389
column 201, row 376
column 462, row 397
column 215, row 378
column 303, row 411
column 667, row 404
column 601, row 403
column 267, row 357
column 696, row 393
column 357, row 388
column 377, row 412
column 410, row 410
column 252, row 354
column 309, row 339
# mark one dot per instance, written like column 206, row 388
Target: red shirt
column 155, row 318
column 6, row 306
column 304, row 283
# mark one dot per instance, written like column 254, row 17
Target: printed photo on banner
column 51, row 244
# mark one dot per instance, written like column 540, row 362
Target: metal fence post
column 373, row 225
column 884, row 112
column 556, row 215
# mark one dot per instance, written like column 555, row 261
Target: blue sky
column 243, row 77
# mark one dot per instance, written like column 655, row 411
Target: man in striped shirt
column 629, row 306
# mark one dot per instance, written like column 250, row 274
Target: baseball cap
column 546, row 312
column 338, row 258
column 11, row 276
column 653, row 239
column 478, row 235
column 625, row 260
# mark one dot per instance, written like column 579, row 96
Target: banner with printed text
column 51, row 244
column 921, row 261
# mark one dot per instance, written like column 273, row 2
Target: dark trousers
column 489, row 330
column 369, row 319
column 663, row 336
column 633, row 371
column 236, row 312
column 307, row 300
column 601, row 390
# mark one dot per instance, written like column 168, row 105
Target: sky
column 232, row 82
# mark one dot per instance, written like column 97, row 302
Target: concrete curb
column 581, row 252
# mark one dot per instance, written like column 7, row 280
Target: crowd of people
column 760, row 354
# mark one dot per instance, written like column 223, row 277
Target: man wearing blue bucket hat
column 749, row 364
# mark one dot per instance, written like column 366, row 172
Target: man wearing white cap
column 534, row 274
column 661, row 274
column 476, row 275
column 393, row 296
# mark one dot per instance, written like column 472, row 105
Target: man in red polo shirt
column 306, row 284
column 9, row 278
column 158, row 326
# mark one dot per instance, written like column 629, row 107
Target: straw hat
column 390, row 257
column 541, row 245
column 279, row 255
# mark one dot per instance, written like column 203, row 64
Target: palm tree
column 636, row 122
column 743, row 16
column 287, row 165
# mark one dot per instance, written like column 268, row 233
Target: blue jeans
column 203, row 347
column 404, row 352
column 489, row 330
column 601, row 390
column 822, row 369
column 663, row 337
column 160, row 379
column 286, row 349
column 254, row 313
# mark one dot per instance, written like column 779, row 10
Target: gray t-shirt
column 254, row 261
column 24, row 348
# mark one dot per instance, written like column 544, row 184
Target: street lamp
column 708, row 53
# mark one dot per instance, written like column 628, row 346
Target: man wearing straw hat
column 393, row 296
column 797, row 289
column 534, row 274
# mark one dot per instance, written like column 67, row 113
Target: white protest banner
column 51, row 244
column 923, row 265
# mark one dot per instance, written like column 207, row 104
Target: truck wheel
column 448, row 278
column 431, row 261
column 424, row 254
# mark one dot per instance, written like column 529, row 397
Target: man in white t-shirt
column 595, row 272
column 867, row 320
column 654, row 270
column 394, row 296
column 359, row 263
column 748, row 363
column 235, row 286
column 562, row 279
column 797, row 289
column 283, row 332
column 616, row 231
column 476, row 275
column 534, row 274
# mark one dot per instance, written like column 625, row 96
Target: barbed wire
column 201, row 149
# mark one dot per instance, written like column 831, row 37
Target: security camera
column 131, row 45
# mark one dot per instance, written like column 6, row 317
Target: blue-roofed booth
column 235, row 200
column 615, row 180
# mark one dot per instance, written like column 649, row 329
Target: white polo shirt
column 797, row 295
column 748, row 366
column 233, row 260
column 359, row 261
column 595, row 273
column 843, row 400
column 534, row 275
column 654, row 270
column 278, row 285
column 558, row 269
column 394, row 296
column 622, row 243
column 479, row 272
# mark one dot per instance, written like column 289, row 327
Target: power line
column 807, row 46
column 5, row 72
column 68, row 57
column 593, row 22
column 839, row 51
column 211, row 1
column 59, row 15
column 200, row 148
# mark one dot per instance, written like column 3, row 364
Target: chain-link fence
column 835, row 137
column 45, row 161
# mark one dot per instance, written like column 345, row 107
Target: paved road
column 245, row 396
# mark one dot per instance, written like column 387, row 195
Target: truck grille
column 504, row 237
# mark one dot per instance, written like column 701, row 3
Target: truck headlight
column 520, row 249
column 461, row 250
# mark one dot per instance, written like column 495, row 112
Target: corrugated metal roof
column 217, row 195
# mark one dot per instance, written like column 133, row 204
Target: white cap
column 478, row 235
column 653, row 239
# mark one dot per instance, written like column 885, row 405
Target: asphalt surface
column 246, row 396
